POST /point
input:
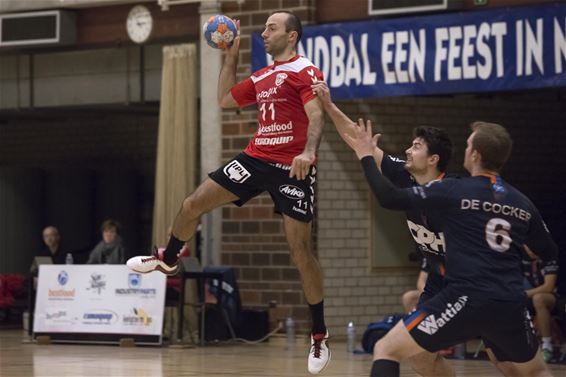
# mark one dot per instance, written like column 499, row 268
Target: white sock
column 546, row 343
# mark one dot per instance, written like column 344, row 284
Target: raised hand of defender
column 301, row 165
column 323, row 93
column 362, row 140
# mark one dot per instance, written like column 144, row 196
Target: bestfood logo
column 61, row 293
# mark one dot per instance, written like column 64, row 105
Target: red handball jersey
column 280, row 90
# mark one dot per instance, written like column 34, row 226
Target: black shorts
column 451, row 318
column 434, row 284
column 247, row 177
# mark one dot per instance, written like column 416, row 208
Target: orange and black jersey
column 485, row 222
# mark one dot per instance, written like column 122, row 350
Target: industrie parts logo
column 135, row 287
column 60, row 293
column 134, row 280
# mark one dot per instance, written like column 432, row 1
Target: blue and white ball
column 219, row 31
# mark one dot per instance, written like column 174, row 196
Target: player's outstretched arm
column 227, row 78
column 344, row 125
column 362, row 142
column 301, row 164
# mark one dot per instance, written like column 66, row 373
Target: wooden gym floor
column 274, row 358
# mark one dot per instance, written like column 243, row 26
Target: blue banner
column 476, row 51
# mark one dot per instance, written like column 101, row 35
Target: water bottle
column 69, row 258
column 351, row 337
column 290, row 328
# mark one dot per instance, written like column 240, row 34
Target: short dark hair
column 493, row 143
column 293, row 23
column 110, row 224
column 437, row 142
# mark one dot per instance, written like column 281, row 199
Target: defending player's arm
column 343, row 124
column 421, row 281
column 227, row 78
column 302, row 163
column 386, row 193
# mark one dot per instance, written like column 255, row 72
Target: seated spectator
column 540, row 283
column 109, row 250
column 411, row 298
column 52, row 246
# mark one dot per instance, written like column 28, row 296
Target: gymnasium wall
column 89, row 166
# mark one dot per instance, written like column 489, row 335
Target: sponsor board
column 106, row 299
column 58, row 291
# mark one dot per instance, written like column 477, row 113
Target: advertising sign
column 98, row 299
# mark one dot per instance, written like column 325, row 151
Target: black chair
column 219, row 278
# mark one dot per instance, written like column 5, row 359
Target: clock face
column 139, row 24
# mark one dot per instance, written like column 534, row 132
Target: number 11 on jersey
column 271, row 108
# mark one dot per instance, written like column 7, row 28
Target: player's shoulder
column 516, row 195
column 391, row 163
column 262, row 71
column 299, row 65
column 449, row 180
column 293, row 68
column 446, row 185
column 451, row 175
column 393, row 159
column 446, row 180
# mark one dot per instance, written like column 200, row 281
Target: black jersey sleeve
column 424, row 265
column 549, row 267
column 394, row 169
column 539, row 239
column 386, row 193
column 433, row 195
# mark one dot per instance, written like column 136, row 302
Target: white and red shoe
column 146, row 263
column 319, row 355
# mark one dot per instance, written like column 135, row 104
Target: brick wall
column 100, row 140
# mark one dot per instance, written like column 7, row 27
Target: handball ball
column 219, row 31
